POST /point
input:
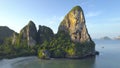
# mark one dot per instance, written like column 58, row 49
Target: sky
column 102, row 16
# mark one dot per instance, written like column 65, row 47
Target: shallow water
column 109, row 58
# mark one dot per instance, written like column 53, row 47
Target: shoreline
column 83, row 57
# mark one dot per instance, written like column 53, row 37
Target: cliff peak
column 74, row 24
column 29, row 34
column 31, row 22
column 76, row 8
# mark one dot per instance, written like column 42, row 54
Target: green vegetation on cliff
column 44, row 34
column 63, row 47
column 22, row 44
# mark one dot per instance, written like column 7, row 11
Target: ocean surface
column 109, row 58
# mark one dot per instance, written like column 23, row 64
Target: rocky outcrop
column 44, row 54
column 15, row 38
column 29, row 34
column 74, row 25
column 106, row 38
column 44, row 34
column 5, row 32
column 71, row 41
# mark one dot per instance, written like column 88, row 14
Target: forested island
column 71, row 41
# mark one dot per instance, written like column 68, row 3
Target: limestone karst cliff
column 71, row 41
column 28, row 35
column 74, row 24
column 5, row 32
column 44, row 34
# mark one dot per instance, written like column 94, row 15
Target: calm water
column 109, row 58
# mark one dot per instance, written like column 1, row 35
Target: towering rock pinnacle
column 74, row 25
column 29, row 34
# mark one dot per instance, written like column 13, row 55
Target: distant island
column 71, row 41
column 106, row 38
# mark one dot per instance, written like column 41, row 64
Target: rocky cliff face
column 5, row 32
column 29, row 34
column 74, row 25
column 44, row 34
column 15, row 38
column 71, row 41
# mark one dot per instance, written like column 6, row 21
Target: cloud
column 93, row 14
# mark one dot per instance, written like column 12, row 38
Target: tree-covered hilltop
column 71, row 41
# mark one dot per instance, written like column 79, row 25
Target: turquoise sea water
column 109, row 58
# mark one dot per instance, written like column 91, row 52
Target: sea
column 109, row 57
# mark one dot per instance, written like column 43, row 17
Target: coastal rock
column 5, row 32
column 15, row 38
column 71, row 41
column 74, row 25
column 44, row 54
column 29, row 34
column 44, row 34
column 106, row 38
